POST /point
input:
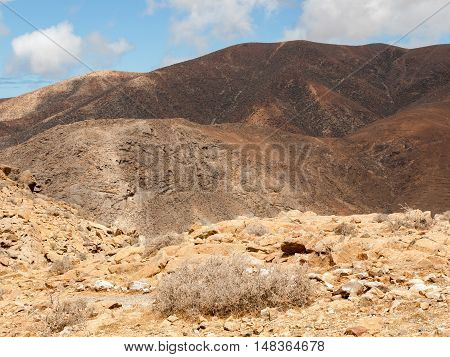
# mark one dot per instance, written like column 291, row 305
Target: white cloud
column 198, row 22
column 101, row 52
column 152, row 6
column 35, row 53
column 355, row 21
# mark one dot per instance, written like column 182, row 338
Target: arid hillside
column 251, row 129
column 162, row 175
column 296, row 274
column 315, row 89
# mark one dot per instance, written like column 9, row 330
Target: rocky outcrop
column 380, row 279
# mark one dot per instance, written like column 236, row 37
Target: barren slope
column 162, row 175
column 370, row 275
column 291, row 85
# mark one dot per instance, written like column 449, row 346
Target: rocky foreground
column 370, row 275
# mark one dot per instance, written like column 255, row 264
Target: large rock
column 293, row 247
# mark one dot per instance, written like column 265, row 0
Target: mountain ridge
column 301, row 91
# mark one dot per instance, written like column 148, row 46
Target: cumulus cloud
column 56, row 50
column 101, row 52
column 198, row 22
column 356, row 22
column 35, row 53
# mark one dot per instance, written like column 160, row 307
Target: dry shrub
column 67, row 313
column 256, row 229
column 444, row 216
column 345, row 229
column 62, row 266
column 380, row 218
column 411, row 218
column 156, row 243
column 226, row 285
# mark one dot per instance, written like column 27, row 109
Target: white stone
column 103, row 285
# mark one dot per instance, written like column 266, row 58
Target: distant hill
column 315, row 89
column 365, row 138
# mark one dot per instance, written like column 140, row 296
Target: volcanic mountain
column 251, row 129
column 315, row 89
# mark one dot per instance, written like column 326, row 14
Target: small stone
column 433, row 294
column 103, row 285
column 417, row 288
column 230, row 326
column 141, row 286
column 172, row 318
column 352, row 288
column 328, row 277
column 376, row 284
column 362, row 275
column 115, row 305
column 424, row 305
column 430, row 278
column 342, row 271
column 356, row 331
column 314, row 276
column 415, row 282
column 394, row 305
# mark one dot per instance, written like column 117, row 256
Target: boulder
column 292, row 247
column 153, row 266
column 126, row 252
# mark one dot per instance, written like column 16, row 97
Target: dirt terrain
column 316, row 176
column 162, row 175
column 370, row 275
column 378, row 140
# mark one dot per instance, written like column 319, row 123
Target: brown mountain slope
column 20, row 114
column 282, row 85
column 164, row 175
column 412, row 150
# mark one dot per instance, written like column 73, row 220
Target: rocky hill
column 162, row 175
column 312, row 88
column 368, row 275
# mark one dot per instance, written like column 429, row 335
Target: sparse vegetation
column 62, row 266
column 256, row 229
column 345, row 229
column 411, row 218
column 156, row 243
column 380, row 218
column 226, row 285
column 67, row 313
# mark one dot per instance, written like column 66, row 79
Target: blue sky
column 142, row 35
